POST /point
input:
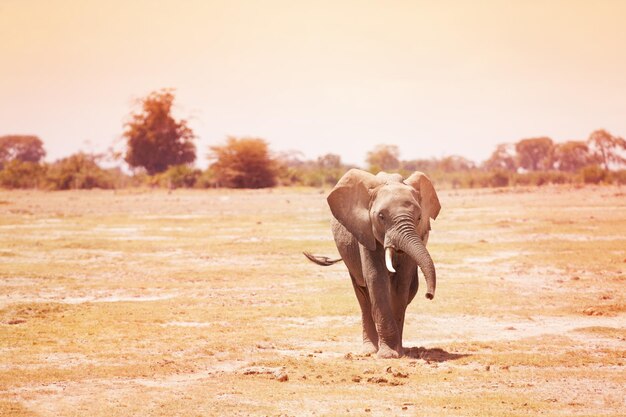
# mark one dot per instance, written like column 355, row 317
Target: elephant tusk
column 389, row 258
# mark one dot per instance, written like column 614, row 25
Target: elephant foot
column 369, row 348
column 385, row 352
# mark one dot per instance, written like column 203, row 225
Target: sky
column 435, row 78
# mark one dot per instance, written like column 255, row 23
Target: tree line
column 160, row 151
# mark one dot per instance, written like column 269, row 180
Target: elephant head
column 391, row 212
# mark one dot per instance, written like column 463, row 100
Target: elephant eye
column 381, row 216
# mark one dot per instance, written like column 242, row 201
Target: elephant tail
column 321, row 260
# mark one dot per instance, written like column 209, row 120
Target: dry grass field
column 200, row 303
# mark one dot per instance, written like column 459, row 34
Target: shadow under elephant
column 432, row 355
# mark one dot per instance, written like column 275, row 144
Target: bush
column 560, row 177
column 79, row 171
column 619, row 177
column 288, row 176
column 499, row 179
column 469, row 179
column 243, row 163
column 18, row 174
column 177, row 176
column 539, row 178
column 319, row 177
column 324, row 172
column 521, row 180
column 593, row 174
column 119, row 179
column 206, row 179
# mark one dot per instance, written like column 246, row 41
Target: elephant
column 381, row 225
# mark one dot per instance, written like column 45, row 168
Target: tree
column 292, row 169
column 455, row 163
column 155, row 140
column 535, row 154
column 24, row 148
column 608, row 148
column 502, row 158
column 243, row 163
column 290, row 158
column 571, row 156
column 383, row 158
column 329, row 161
column 423, row 165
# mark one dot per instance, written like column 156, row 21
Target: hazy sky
column 433, row 77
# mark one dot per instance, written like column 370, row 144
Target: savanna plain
column 200, row 303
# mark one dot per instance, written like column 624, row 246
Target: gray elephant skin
column 380, row 226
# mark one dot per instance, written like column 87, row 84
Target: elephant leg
column 377, row 281
column 370, row 336
column 389, row 334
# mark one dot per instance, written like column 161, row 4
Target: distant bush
column 539, row 178
column 288, row 176
column 619, row 177
column 593, row 174
column 561, row 177
column 323, row 172
column 317, row 177
column 120, row 179
column 79, row 171
column 206, row 179
column 243, row 163
column 466, row 179
column 177, row 176
column 521, row 180
column 499, row 179
column 473, row 178
column 18, row 174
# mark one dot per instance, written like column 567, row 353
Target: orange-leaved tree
column 572, row 156
column 23, row 148
column 609, row 149
column 383, row 158
column 535, row 154
column 243, row 163
column 155, row 140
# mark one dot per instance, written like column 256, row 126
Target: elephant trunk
column 409, row 242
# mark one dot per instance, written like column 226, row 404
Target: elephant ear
column 427, row 198
column 349, row 202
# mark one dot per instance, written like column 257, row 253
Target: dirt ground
column 200, row 303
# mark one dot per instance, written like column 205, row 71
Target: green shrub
column 18, row 174
column 206, row 179
column 310, row 175
column 78, row 171
column 176, row 176
column 288, row 176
